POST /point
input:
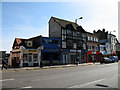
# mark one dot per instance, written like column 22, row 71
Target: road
column 90, row 76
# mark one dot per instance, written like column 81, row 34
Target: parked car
column 114, row 58
column 105, row 60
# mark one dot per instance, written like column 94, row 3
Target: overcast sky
column 30, row 19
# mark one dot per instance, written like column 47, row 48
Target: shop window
column 25, row 58
column 57, row 41
column 35, row 58
column 56, row 57
column 96, row 48
column 89, row 58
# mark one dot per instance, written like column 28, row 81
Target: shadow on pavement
column 100, row 85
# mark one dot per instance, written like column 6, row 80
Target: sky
column 29, row 19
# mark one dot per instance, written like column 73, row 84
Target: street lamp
column 76, row 40
column 78, row 19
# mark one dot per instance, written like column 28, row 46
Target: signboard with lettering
column 30, row 51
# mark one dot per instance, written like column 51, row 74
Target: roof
column 64, row 23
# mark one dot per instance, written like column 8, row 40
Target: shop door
column 30, row 63
column 73, row 58
column 51, row 60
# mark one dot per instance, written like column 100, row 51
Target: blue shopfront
column 51, row 54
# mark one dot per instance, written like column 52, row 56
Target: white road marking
column 85, row 84
column 7, row 79
column 27, row 87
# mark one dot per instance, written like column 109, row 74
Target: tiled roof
column 63, row 22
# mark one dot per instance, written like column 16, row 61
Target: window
column 89, row 38
column 75, row 45
column 90, row 47
column 70, row 37
column 63, row 31
column 96, row 39
column 74, row 33
column 44, row 40
column 50, row 41
column 78, row 34
column 84, row 46
column 35, row 58
column 63, row 44
column 63, row 37
column 96, row 48
column 25, row 58
column 57, row 42
column 29, row 43
column 70, row 43
column 69, row 32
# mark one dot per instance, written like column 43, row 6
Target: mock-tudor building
column 73, row 39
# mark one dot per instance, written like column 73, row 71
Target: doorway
column 30, row 62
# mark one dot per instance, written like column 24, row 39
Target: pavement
column 49, row 67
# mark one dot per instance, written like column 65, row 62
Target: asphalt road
column 91, row 76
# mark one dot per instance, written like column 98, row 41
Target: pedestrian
column 3, row 64
column 77, row 61
column 41, row 64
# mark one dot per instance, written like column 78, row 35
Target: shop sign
column 41, row 47
column 79, row 51
column 16, row 50
column 72, row 50
column 30, row 51
column 93, row 52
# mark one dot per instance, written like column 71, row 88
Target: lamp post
column 76, row 39
column 78, row 19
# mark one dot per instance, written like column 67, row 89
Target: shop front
column 83, row 56
column 93, row 56
column 50, row 57
column 30, row 58
column 70, row 56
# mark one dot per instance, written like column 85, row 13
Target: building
column 118, row 49
column 107, row 42
column 51, row 51
column 2, row 56
column 29, row 52
column 7, row 58
column 93, row 45
column 104, row 44
column 73, row 39
column 112, row 40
